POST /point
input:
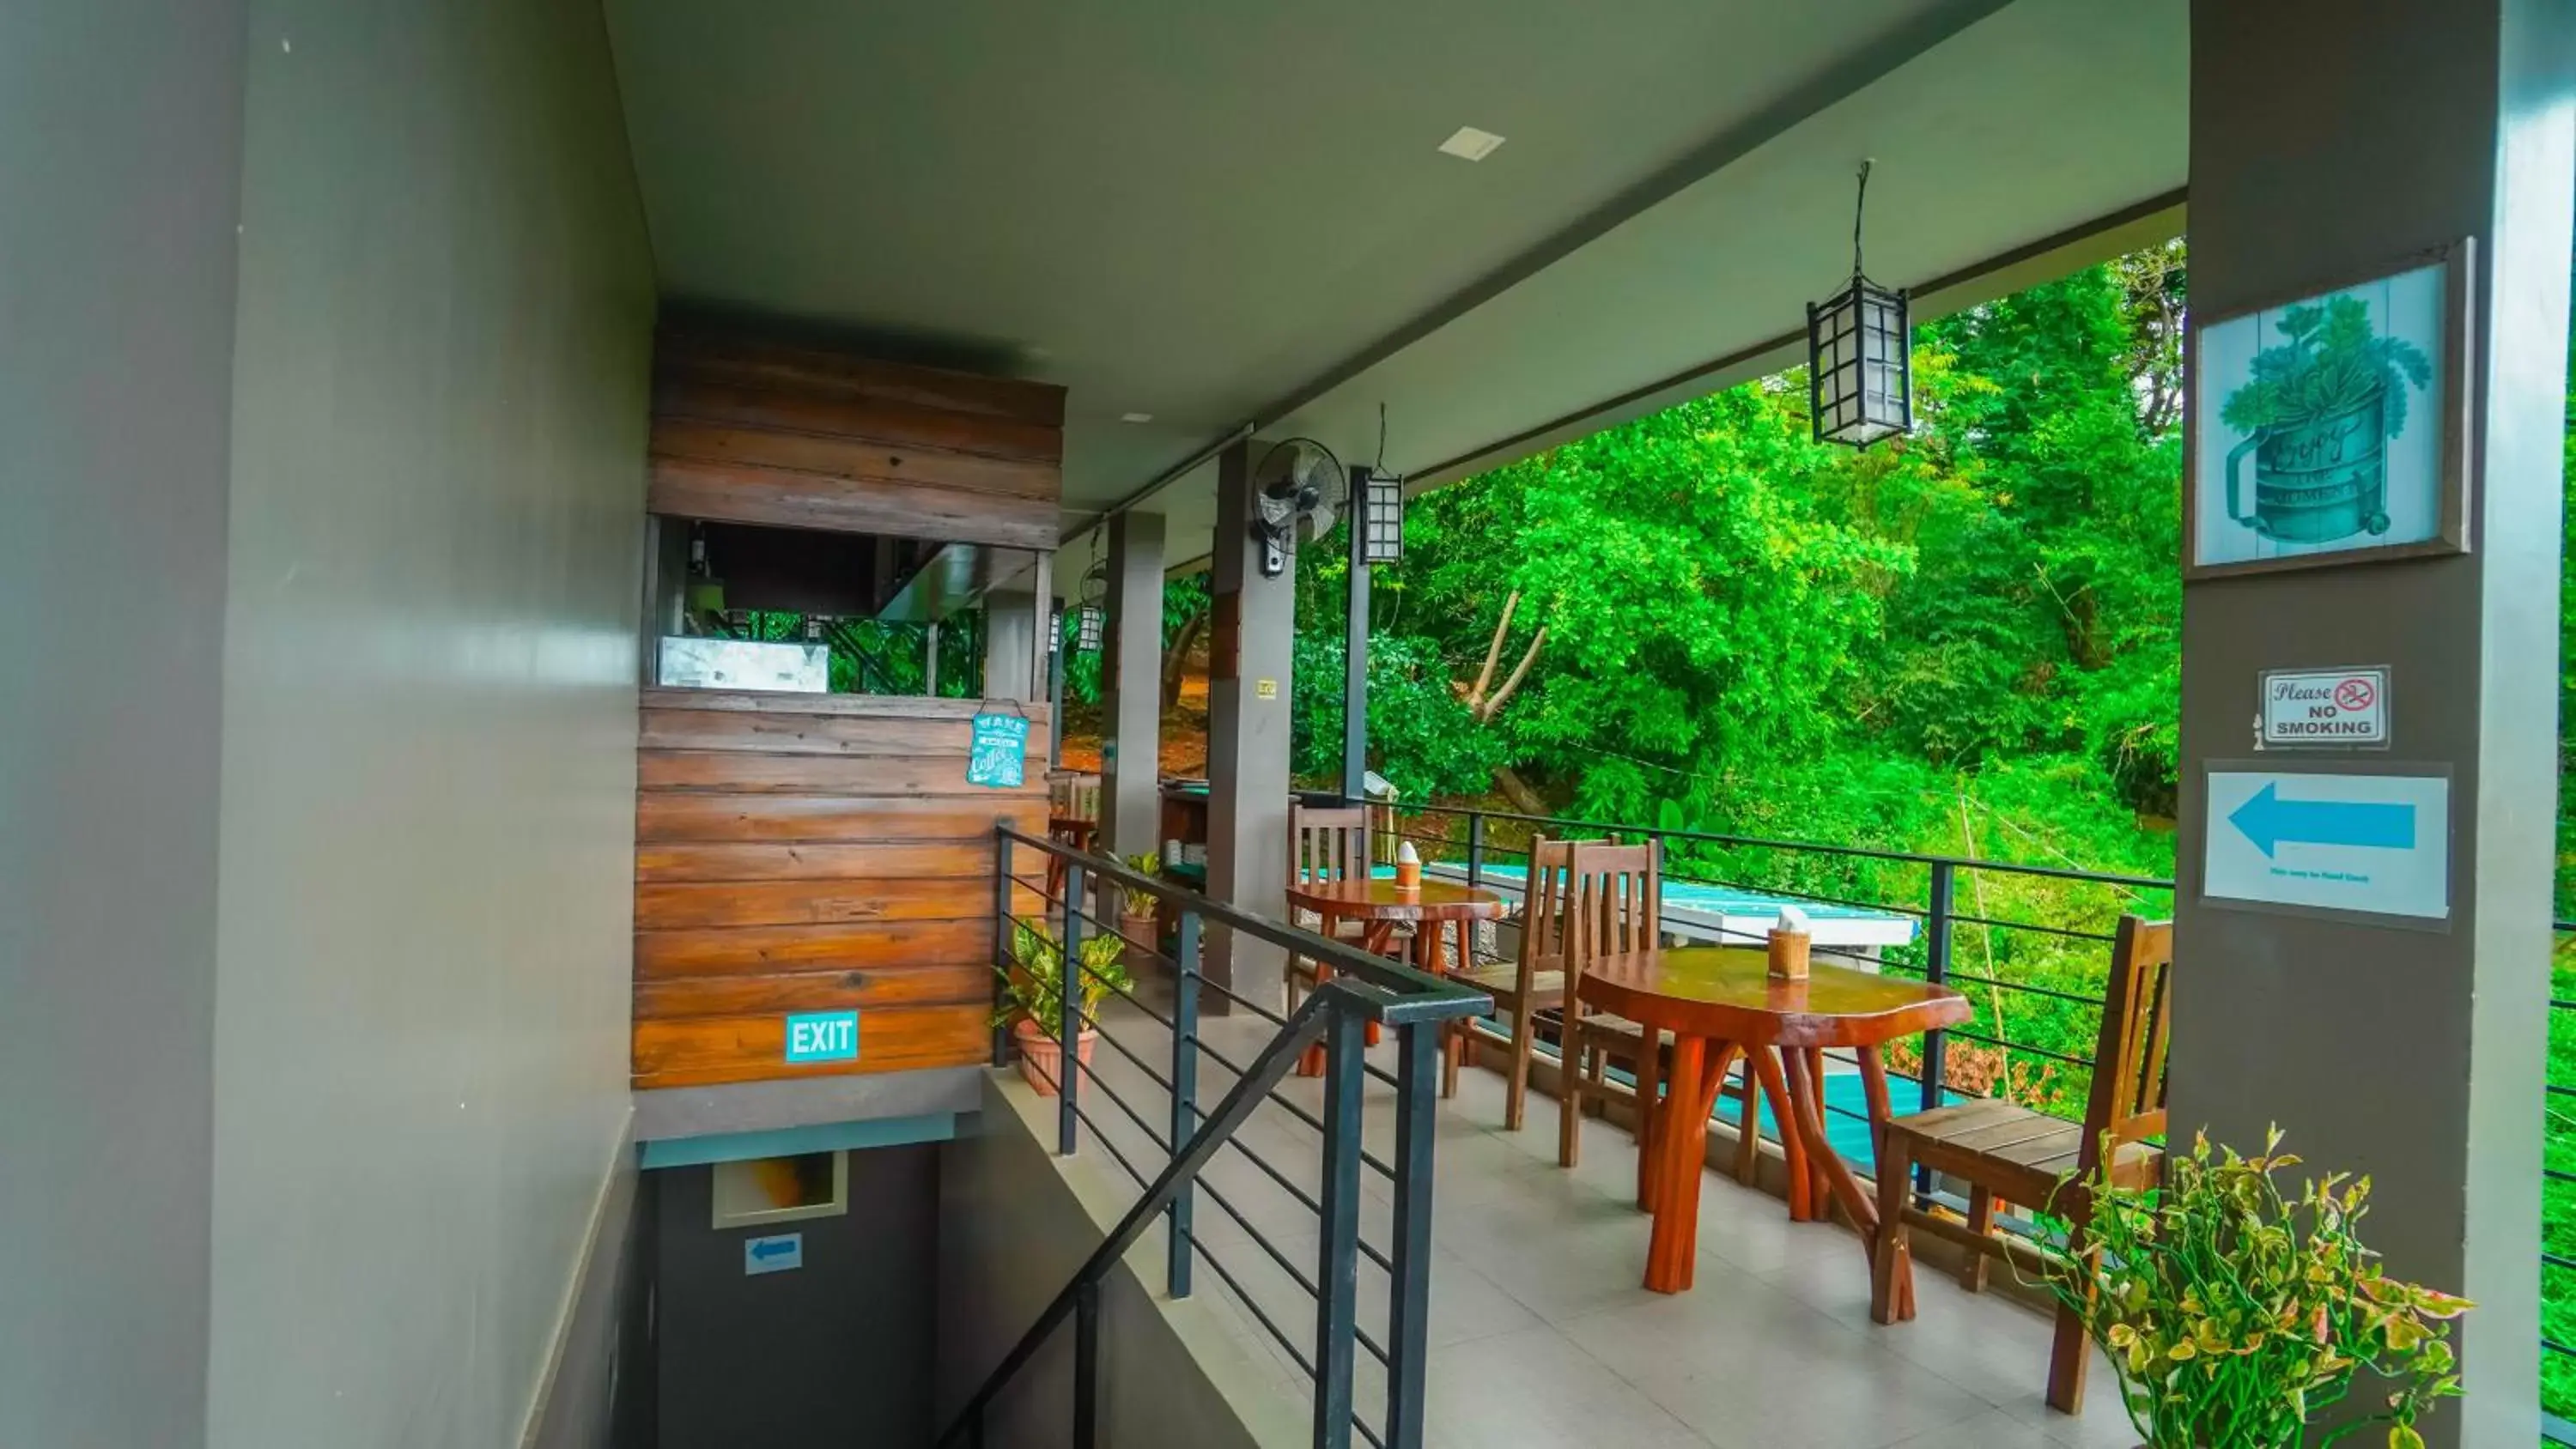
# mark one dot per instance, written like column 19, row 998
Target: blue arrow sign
column 2270, row 821
column 775, row 1254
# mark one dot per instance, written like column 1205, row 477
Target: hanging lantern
column 1860, row 381
column 1091, row 617
column 1055, row 629
column 1380, row 518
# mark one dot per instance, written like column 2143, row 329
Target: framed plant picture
column 2333, row 427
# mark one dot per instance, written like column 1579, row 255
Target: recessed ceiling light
column 1135, row 417
column 1471, row 144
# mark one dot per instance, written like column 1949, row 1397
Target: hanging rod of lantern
column 1860, row 376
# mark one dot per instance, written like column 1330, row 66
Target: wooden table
column 1718, row 1001
column 1380, row 907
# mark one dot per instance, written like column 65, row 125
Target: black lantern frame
column 1380, row 519
column 1860, row 372
column 1089, row 622
column 1860, row 366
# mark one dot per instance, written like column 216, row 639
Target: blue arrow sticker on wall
column 2270, row 821
column 774, row 1254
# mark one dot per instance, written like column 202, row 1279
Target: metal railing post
column 1185, row 1093
column 1475, row 848
column 1001, row 933
column 1086, row 1365
column 1069, row 1004
column 1936, row 971
column 1408, row 1347
column 1337, row 1266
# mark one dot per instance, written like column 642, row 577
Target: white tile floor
column 1540, row 1333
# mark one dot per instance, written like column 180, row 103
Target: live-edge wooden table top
column 1726, row 992
column 1381, row 900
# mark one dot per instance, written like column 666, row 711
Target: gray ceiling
column 1221, row 212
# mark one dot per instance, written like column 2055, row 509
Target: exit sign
column 823, row 1036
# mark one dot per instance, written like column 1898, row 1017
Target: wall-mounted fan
column 1297, row 479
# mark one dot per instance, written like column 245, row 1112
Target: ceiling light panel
column 1470, row 144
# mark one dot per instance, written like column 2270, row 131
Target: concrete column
column 2329, row 142
column 1253, row 626
column 1010, row 640
column 1132, row 687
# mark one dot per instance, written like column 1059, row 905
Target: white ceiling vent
column 1471, row 144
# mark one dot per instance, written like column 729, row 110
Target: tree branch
column 1493, row 653
column 1485, row 713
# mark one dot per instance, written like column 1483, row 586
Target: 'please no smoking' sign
column 2325, row 706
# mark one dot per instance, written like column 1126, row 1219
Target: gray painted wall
column 429, row 660
column 1015, row 1222
column 120, row 136
column 2415, row 1057
column 835, row 1354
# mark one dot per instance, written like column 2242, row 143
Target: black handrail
column 1867, row 852
column 1269, row 1068
column 1939, row 912
column 1399, row 994
column 1361, row 989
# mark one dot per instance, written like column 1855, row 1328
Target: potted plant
column 1139, row 915
column 2233, row 1314
column 1034, row 997
column 2317, row 412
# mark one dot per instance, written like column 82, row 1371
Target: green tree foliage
column 1964, row 641
column 1750, row 632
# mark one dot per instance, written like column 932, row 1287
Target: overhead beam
column 2126, row 230
column 1852, row 75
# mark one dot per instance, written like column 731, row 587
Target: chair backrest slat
column 1543, row 904
column 1616, row 905
column 2128, row 1100
column 1327, row 844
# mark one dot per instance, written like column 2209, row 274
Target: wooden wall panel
column 778, row 498
column 828, row 990
column 753, row 432
column 784, row 366
column 678, row 817
column 773, row 950
column 704, row 1051
column 803, row 853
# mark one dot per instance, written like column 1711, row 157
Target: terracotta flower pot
column 1042, row 1056
column 1143, row 931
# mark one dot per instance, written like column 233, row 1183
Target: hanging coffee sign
column 997, row 752
column 2330, row 707
column 2331, row 428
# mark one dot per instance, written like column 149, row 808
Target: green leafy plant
column 1035, row 986
column 1147, row 864
column 2327, row 362
column 2233, row 1313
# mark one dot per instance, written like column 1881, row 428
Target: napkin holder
column 1788, row 958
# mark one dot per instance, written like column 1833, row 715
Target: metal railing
column 1696, row 857
column 1934, row 958
column 1364, row 992
column 2558, row 1220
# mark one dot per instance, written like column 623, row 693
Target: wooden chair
column 1535, row 980
column 2014, row 1155
column 1324, row 845
column 1073, row 794
column 1615, row 904
column 1071, row 831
